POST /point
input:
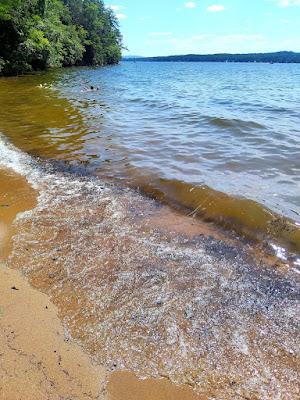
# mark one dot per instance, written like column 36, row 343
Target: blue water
column 233, row 127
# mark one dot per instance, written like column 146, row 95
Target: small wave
column 234, row 123
column 19, row 162
column 279, row 110
column 154, row 302
column 45, row 86
column 245, row 216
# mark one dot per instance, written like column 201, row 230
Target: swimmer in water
column 90, row 89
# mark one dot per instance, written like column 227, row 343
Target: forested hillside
column 41, row 34
column 278, row 57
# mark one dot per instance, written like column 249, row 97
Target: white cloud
column 190, row 4
column 215, row 8
column 116, row 8
column 121, row 16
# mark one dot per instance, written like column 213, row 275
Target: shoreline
column 160, row 279
column 248, row 219
column 258, row 219
column 38, row 356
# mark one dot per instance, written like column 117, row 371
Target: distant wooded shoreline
column 285, row 57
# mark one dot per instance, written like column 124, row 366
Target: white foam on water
column 46, row 183
column 280, row 252
column 17, row 161
column 183, row 299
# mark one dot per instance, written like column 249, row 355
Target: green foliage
column 104, row 42
column 277, row 57
column 40, row 34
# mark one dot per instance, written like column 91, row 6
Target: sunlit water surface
column 218, row 140
column 185, row 132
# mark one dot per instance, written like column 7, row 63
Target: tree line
column 40, row 34
column 277, row 57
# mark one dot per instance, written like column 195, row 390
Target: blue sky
column 164, row 27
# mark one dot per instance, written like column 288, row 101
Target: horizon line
column 212, row 54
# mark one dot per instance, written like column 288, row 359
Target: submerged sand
column 38, row 358
column 15, row 196
column 153, row 292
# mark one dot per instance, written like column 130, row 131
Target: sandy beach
column 38, row 358
column 39, row 361
column 108, row 295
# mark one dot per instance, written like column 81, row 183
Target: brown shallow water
column 141, row 287
column 125, row 386
column 16, row 196
column 158, row 302
column 41, row 117
column 38, row 357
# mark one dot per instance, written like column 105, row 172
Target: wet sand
column 38, row 358
column 125, row 386
column 15, row 196
column 39, row 361
column 160, row 303
column 139, row 287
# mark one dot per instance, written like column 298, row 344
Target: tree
column 40, row 34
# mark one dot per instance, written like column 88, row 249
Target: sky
column 165, row 27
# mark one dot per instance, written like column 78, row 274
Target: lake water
column 220, row 140
column 140, row 286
